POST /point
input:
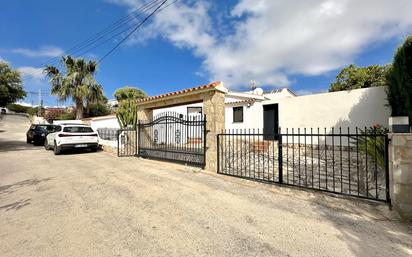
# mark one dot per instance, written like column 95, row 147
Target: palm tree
column 77, row 82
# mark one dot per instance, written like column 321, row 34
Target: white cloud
column 273, row 39
column 45, row 51
column 32, row 73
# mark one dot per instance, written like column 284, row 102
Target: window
column 238, row 114
column 78, row 129
column 194, row 110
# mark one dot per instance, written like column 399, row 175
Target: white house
column 267, row 111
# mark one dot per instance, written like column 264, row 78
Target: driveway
column 95, row 204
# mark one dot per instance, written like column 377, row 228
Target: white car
column 71, row 136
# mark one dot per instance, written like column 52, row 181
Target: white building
column 266, row 111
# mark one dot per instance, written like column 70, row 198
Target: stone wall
column 400, row 167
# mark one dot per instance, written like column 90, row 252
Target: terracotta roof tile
column 183, row 91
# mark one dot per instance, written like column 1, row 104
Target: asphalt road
column 95, row 204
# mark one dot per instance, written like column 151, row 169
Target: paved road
column 95, row 204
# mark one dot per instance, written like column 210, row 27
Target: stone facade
column 400, row 167
column 214, row 109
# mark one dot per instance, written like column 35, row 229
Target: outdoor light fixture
column 248, row 105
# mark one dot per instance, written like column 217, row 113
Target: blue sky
column 300, row 45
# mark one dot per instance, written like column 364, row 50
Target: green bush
column 97, row 109
column 400, row 81
column 373, row 146
column 17, row 108
column 66, row 116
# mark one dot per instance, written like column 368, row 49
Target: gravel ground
column 95, row 204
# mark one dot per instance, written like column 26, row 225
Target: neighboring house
column 113, row 103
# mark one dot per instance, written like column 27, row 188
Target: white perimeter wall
column 110, row 122
column 359, row 107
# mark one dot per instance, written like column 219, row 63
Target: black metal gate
column 354, row 164
column 173, row 137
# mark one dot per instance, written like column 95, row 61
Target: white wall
column 252, row 116
column 359, row 107
column 181, row 109
column 107, row 122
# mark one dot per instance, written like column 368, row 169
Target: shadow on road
column 15, row 145
column 355, row 220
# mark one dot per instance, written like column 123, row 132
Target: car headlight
column 43, row 134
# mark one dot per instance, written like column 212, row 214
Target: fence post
column 280, row 158
column 204, row 140
column 118, row 142
column 218, row 153
column 388, row 198
column 137, row 138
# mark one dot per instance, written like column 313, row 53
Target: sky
column 301, row 45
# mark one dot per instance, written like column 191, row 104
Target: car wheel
column 93, row 149
column 46, row 145
column 28, row 141
column 56, row 149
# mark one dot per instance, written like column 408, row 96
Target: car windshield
column 78, row 129
column 45, row 128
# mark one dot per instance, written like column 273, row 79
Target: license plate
column 80, row 146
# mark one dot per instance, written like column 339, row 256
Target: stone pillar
column 144, row 114
column 400, row 168
column 214, row 108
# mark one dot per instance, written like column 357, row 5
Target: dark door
column 270, row 121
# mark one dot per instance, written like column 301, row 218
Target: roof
column 241, row 95
column 275, row 91
column 214, row 85
column 240, row 102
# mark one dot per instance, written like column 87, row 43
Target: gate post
column 400, row 163
column 214, row 107
column 280, row 158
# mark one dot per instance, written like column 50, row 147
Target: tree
column 353, row 77
column 125, row 93
column 11, row 88
column 127, row 111
column 77, row 82
column 400, row 81
column 98, row 109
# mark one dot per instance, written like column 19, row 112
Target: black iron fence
column 110, row 134
column 174, row 137
column 341, row 161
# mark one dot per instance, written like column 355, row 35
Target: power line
column 113, row 27
column 131, row 32
column 91, row 42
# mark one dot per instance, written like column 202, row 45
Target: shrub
column 374, row 146
column 18, row 108
column 52, row 114
column 98, row 110
column 400, row 81
column 67, row 115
